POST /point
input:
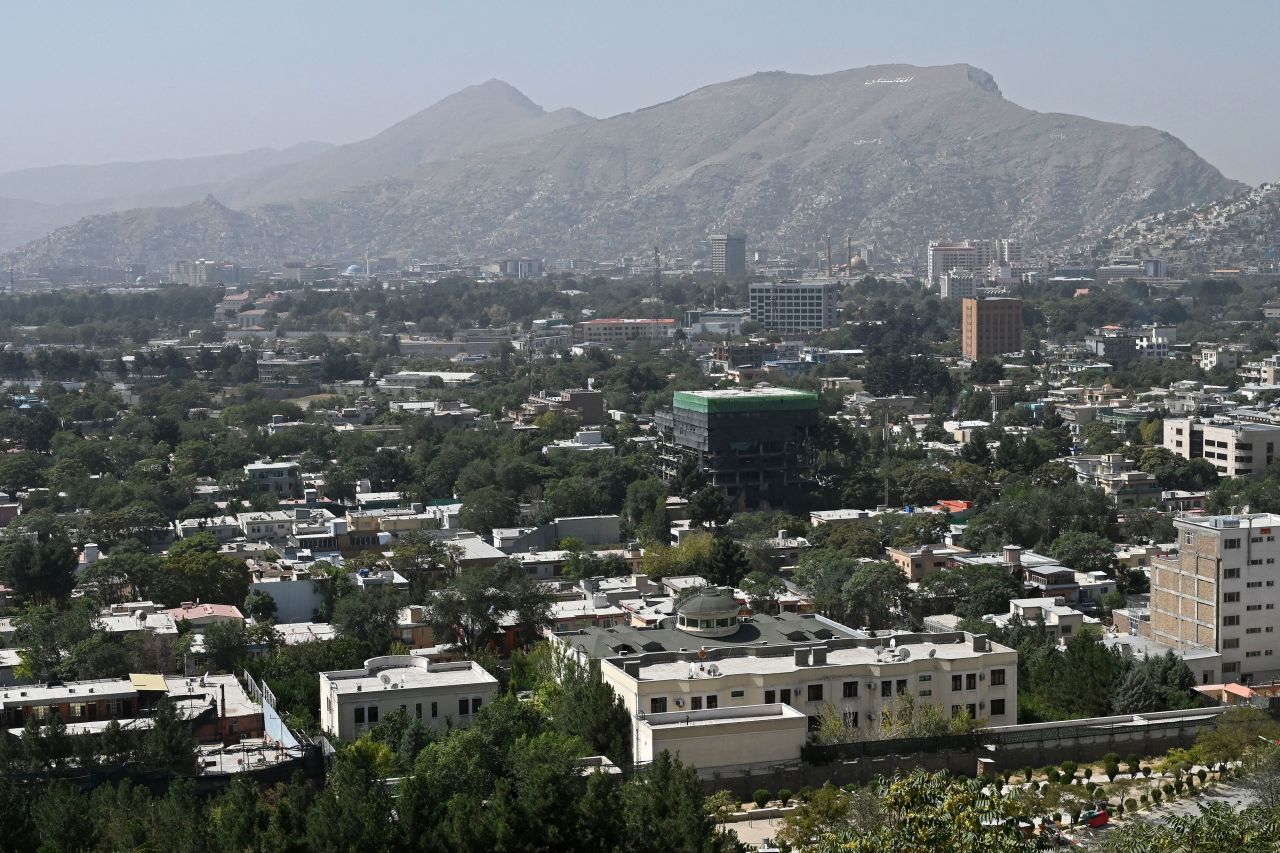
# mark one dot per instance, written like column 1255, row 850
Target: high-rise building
column 991, row 327
column 793, row 306
column 1220, row 592
column 751, row 444
column 974, row 256
column 728, row 254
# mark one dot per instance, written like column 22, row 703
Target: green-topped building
column 752, row 443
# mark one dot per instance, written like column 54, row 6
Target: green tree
column 226, row 644
column 259, row 605
column 469, row 610
column 1084, row 552
column 369, row 617
column 727, row 563
column 663, row 812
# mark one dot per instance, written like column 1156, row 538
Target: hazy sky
column 96, row 81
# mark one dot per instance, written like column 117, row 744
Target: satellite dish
column 933, row 652
column 384, row 678
column 904, row 653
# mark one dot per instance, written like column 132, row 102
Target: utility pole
column 829, row 267
column 657, row 272
column 849, row 253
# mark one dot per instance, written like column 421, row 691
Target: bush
column 805, row 794
column 1167, row 788
column 761, row 798
column 1030, row 774
column 1053, row 776
column 1112, row 770
column 1111, row 758
column 1145, row 799
column 785, row 795
column 850, row 787
column 1177, row 773
column 1178, row 786
column 1087, row 773
column 1132, row 763
column 1156, row 795
column 1146, row 771
column 1202, row 773
column 1069, row 768
column 1117, row 810
column 1130, row 804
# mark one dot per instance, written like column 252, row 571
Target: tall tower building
column 991, row 327
column 729, row 254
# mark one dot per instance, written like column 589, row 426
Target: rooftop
column 745, row 400
column 1229, row 522
column 407, row 672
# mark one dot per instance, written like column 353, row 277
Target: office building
column 619, row 330
column 439, row 695
column 729, row 674
column 752, row 444
column 1220, row 591
column 957, row 284
column 728, row 254
column 972, row 256
column 991, row 327
column 1235, row 449
column 521, row 268
column 793, row 306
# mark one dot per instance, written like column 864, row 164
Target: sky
column 90, row 82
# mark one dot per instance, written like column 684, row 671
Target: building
column 1117, row 475
column 991, row 327
column 721, row 322
column 728, row 254
column 520, row 268
column 1114, row 346
column 439, row 695
column 586, row 403
column 1220, row 591
column 752, row 444
column 920, row 561
column 793, row 306
column 290, row 371
column 729, row 673
column 971, row 256
column 283, row 478
column 1235, row 449
column 957, row 284
column 1219, row 358
column 619, row 330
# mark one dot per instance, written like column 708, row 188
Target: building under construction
column 751, row 444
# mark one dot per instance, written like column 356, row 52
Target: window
column 1253, row 630
column 973, row 711
column 997, row 677
column 1230, row 620
column 1064, row 629
column 1230, row 574
column 926, row 692
column 1231, row 544
column 658, row 704
column 695, row 703
column 971, row 681
column 464, row 705
column 901, row 686
column 926, row 677
column 784, row 696
column 435, row 710
column 770, row 697
column 955, row 711
column 1253, row 654
column 1231, row 643
column 475, row 705
column 851, row 690
column 957, row 682
column 713, row 701
column 359, row 716
column 815, row 692
column 1233, row 666
column 886, row 689
column 737, row 694
column 1230, row 597
column 1253, row 607
column 418, row 708
column 1253, row 584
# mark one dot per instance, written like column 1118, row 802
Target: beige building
column 1235, row 449
column 1220, row 591
column 439, row 695
column 923, row 560
column 746, row 666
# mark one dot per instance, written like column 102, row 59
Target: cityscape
column 847, row 458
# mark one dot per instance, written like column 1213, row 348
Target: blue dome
column 354, row 269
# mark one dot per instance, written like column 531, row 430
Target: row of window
column 369, row 714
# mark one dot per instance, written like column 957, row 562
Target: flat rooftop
column 407, row 672
column 1232, row 522
column 744, row 400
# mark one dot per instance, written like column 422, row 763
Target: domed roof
column 709, row 601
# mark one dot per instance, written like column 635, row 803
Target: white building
column 1235, row 449
column 585, row 441
column 279, row 477
column 793, row 306
column 438, row 694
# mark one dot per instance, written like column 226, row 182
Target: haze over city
column 96, row 82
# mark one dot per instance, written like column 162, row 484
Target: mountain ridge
column 891, row 155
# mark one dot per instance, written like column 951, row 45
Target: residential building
column 1219, row 358
column 1235, row 449
column 1117, row 475
column 585, row 441
column 991, row 327
column 1059, row 620
column 622, row 330
column 793, row 306
column 1220, row 591
column 520, row 268
column 973, row 256
column 1114, row 346
column 752, row 444
column 728, row 254
column 957, row 284
column 282, row 370
column 283, row 478
column 586, row 403
column 439, row 695
column 920, row 561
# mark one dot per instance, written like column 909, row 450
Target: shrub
column 1112, row 770
column 1117, row 810
column 761, row 798
column 1131, row 804
column 850, row 787
column 1052, row 776
column 1132, row 763
column 785, row 795
column 1167, row 788
column 1202, row 773
column 1069, row 768
column 1177, row 772
column 1156, row 795
column 1145, row 799
column 805, row 794
column 1111, row 758
column 1146, row 771
column 1030, row 774
column 1178, row 786
column 1087, row 773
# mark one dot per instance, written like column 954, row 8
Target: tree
column 195, row 571
column 487, row 508
column 259, row 605
column 1084, row 552
column 584, row 706
column 470, row 609
column 876, row 595
column 370, row 617
column 709, row 508
column 354, row 810
column 41, row 571
column 663, row 811
column 424, row 561
column 1099, row 437
column 226, row 644
column 1236, row 731
column 830, row 811
column 762, row 591
column 727, row 563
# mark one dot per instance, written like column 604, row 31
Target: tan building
column 1220, row 591
column 991, row 327
column 622, row 330
column 920, row 562
column 1235, row 449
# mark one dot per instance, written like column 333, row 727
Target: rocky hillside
column 891, row 155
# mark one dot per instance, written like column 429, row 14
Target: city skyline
column 122, row 84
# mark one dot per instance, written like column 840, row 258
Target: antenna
column 828, row 256
column 849, row 254
column 657, row 272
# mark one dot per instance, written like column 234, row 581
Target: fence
column 272, row 722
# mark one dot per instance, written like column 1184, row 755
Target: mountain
column 35, row 201
column 476, row 117
column 890, row 155
column 1241, row 232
